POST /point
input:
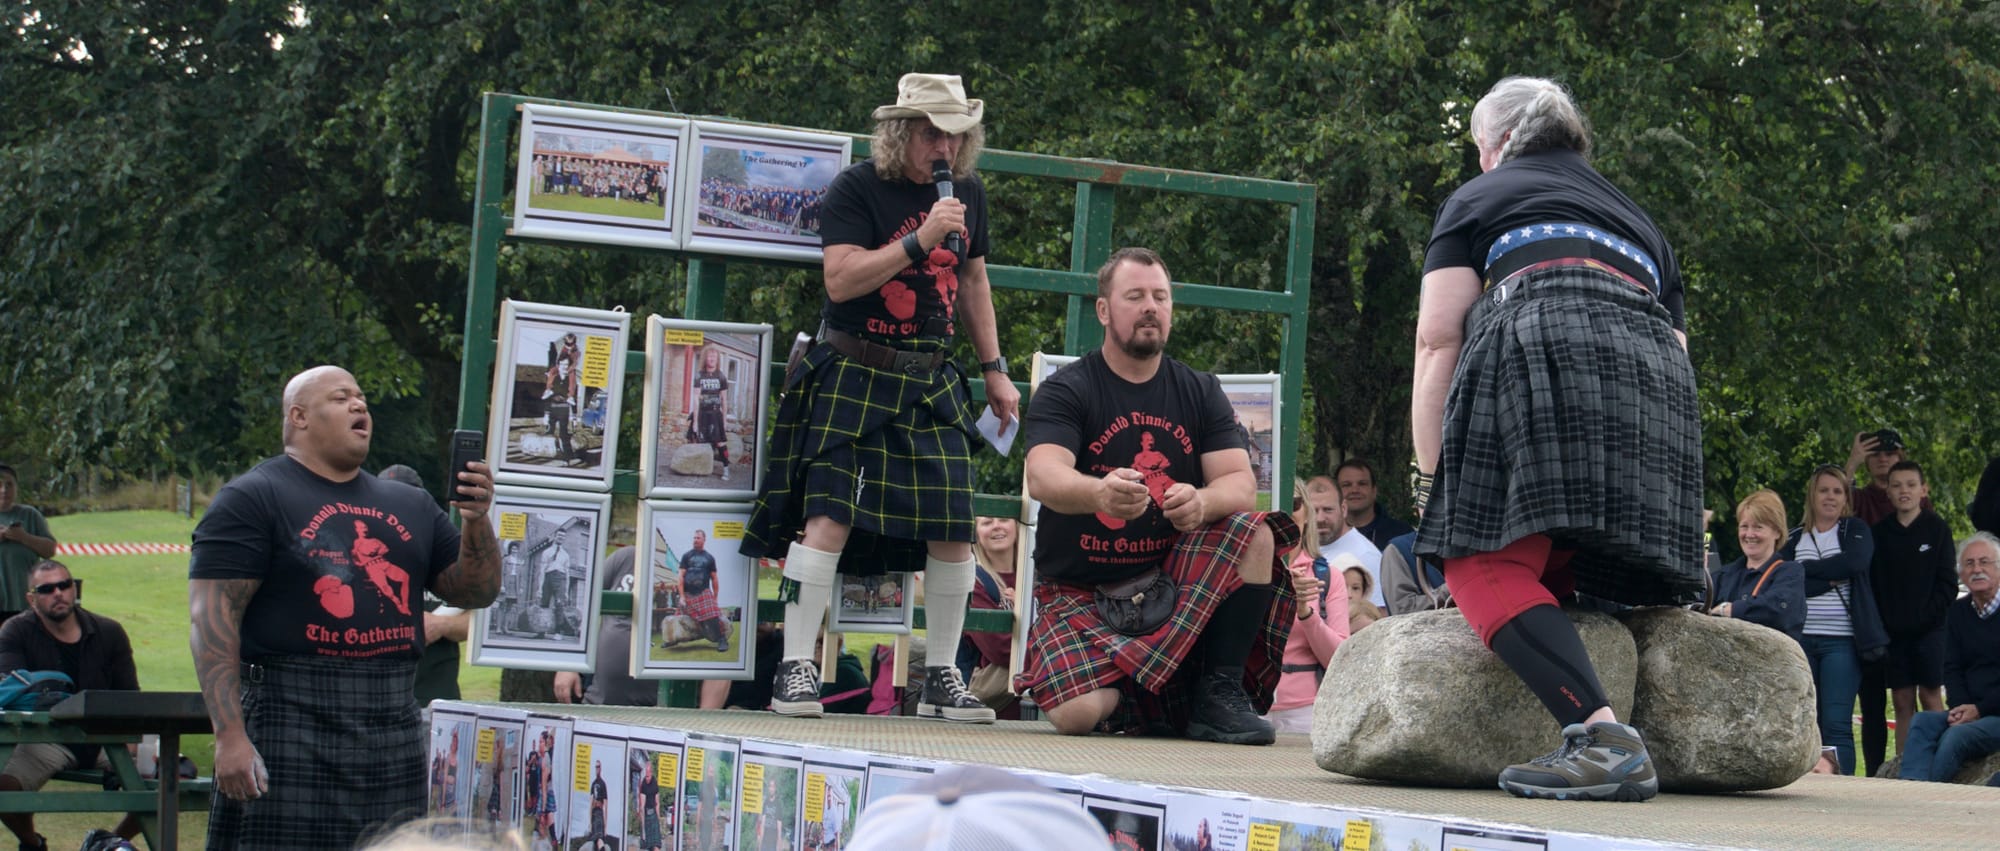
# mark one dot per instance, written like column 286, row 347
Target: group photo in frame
column 882, row 603
column 551, row 546
column 558, row 377
column 756, row 191
column 705, row 409
column 599, row 176
column 695, row 608
column 1256, row 399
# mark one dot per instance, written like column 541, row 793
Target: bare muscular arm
column 215, row 613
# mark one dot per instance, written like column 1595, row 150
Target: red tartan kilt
column 1072, row 653
column 701, row 606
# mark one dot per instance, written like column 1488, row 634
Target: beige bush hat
column 938, row 97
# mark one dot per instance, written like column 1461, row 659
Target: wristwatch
column 998, row 365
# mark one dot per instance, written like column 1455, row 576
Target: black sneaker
column 795, row 689
column 1598, row 762
column 946, row 697
column 1222, row 711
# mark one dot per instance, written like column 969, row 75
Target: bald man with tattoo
column 305, row 658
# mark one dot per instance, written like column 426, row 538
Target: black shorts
column 1915, row 660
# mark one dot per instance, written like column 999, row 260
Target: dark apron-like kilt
column 1073, row 653
column 887, row 454
column 1572, row 414
column 344, row 744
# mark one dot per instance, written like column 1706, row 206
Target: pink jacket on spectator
column 1313, row 640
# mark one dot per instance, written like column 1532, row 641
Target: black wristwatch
column 998, row 365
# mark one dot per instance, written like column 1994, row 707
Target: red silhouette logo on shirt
column 334, row 596
column 899, row 299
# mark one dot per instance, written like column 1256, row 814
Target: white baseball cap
column 977, row 809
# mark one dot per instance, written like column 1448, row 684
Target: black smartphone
column 467, row 446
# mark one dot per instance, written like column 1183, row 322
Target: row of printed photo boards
column 577, row 783
column 656, row 181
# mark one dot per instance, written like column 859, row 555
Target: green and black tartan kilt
column 887, row 454
column 1572, row 413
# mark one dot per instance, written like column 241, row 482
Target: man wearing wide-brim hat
column 870, row 463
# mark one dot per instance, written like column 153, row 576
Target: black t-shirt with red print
column 863, row 209
column 1160, row 428
column 343, row 565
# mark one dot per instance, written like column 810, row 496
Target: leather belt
column 877, row 356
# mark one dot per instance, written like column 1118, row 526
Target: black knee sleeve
column 1544, row 650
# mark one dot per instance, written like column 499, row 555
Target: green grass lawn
column 599, row 206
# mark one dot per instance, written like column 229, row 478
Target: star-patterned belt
column 1543, row 244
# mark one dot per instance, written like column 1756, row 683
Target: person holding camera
column 1879, row 450
column 24, row 540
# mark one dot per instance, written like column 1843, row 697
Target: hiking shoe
column 1598, row 762
column 946, row 697
column 1222, row 711
column 795, row 690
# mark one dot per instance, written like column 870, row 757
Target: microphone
column 941, row 175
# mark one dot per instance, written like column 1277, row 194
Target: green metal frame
column 1097, row 184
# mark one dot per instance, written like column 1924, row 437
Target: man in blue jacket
column 1941, row 742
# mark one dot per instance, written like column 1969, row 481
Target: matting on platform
column 1817, row 812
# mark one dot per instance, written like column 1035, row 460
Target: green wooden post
column 481, row 290
column 1096, row 206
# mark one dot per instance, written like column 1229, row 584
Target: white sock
column 814, row 570
column 947, row 589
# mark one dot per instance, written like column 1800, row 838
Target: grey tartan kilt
column 343, row 741
column 1572, row 413
column 887, row 454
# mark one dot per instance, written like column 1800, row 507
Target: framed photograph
column 596, row 787
column 768, row 796
column 1024, row 601
column 545, row 775
column 695, row 607
column 451, row 765
column 881, row 604
column 653, row 772
column 556, row 384
column 1256, row 400
column 551, row 543
column 705, row 409
column 708, row 792
column 1041, row 366
column 832, row 792
column 496, row 765
column 756, row 191
column 599, row 176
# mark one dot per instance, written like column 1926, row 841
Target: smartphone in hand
column 467, row 446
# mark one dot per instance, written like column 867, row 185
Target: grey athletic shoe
column 795, row 689
column 945, row 697
column 1597, row 762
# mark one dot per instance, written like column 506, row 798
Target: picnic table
column 111, row 720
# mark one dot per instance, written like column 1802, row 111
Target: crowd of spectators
column 796, row 209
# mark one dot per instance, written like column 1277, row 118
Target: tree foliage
column 201, row 198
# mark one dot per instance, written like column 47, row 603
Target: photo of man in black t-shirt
column 1142, row 471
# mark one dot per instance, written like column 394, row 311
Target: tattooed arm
column 473, row 581
column 215, row 610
